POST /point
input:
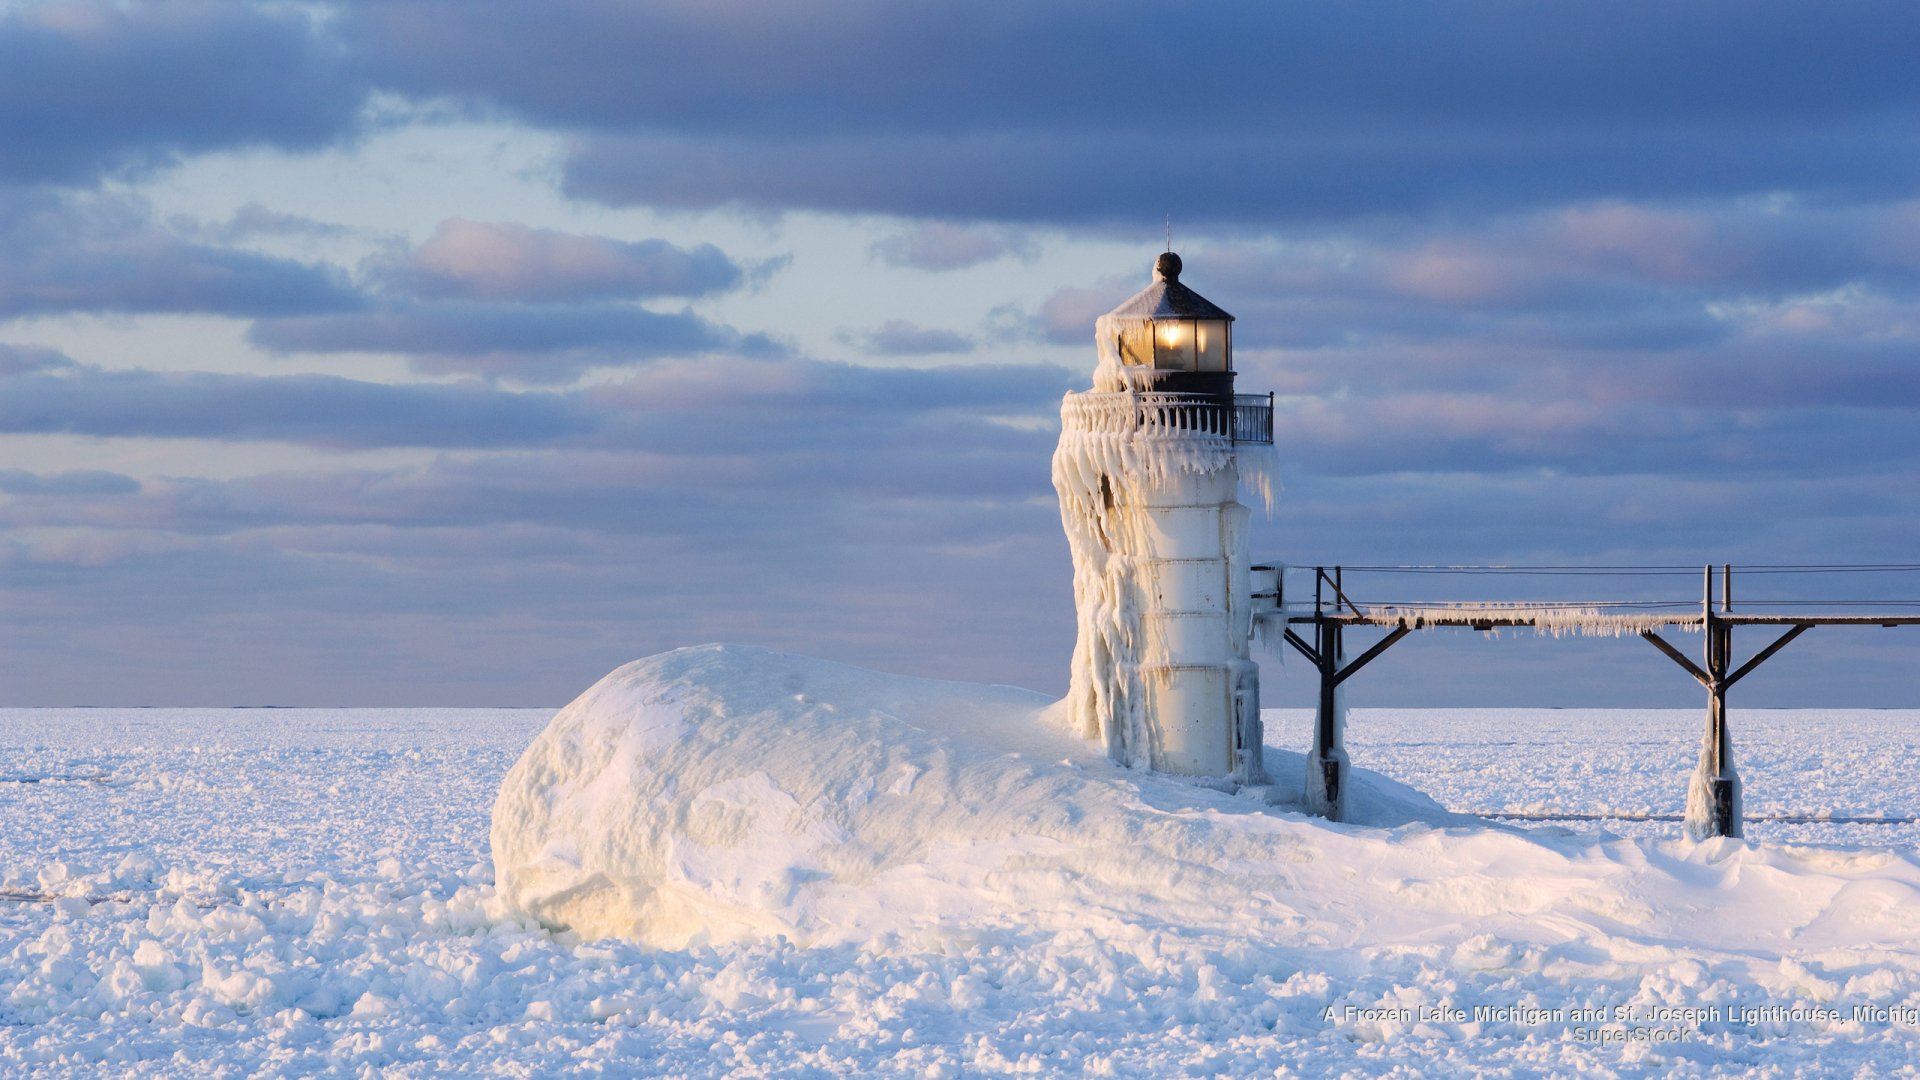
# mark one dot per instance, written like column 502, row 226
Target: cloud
column 815, row 388
column 798, row 425
column 899, row 337
column 1067, row 315
column 828, row 507
column 256, row 219
column 73, row 482
column 88, row 89
column 928, row 435
column 474, row 297
column 1724, row 340
column 539, row 576
column 944, row 245
column 721, row 406
column 1728, row 247
column 1750, row 304
column 1662, row 273
column 495, row 299
column 1091, row 113
column 1468, row 519
column 473, row 260
column 805, row 505
column 828, row 513
column 948, row 65
column 547, row 343
column 319, row 410
column 1435, row 432
column 1627, row 284
column 103, row 254
column 20, row 359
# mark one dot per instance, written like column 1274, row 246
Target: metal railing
column 1253, row 419
column 1248, row 419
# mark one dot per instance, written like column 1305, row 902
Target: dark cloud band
column 87, row 89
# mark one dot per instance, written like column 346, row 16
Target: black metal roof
column 1166, row 298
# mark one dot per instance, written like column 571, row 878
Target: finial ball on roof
column 1167, row 267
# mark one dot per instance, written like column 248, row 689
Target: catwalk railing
column 1248, row 418
column 1620, row 609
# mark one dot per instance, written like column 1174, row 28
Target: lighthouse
column 1149, row 469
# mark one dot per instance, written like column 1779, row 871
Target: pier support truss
column 1327, row 764
column 1713, row 795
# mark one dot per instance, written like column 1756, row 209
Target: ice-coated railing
column 1249, row 419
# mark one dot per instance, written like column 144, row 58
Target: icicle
column 1554, row 621
column 1698, row 822
column 1259, row 473
column 1106, row 463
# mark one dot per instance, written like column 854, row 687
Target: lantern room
column 1170, row 338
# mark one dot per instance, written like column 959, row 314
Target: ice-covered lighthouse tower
column 1148, row 471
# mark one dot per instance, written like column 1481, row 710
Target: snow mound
column 724, row 793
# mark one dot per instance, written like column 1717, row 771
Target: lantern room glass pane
column 1173, row 344
column 1210, row 344
column 1136, row 345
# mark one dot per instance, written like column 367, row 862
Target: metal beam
column 1822, row 620
column 1679, row 658
column 1434, row 618
column 1335, row 582
column 1327, row 764
column 1312, row 654
column 1367, row 657
column 1761, row 656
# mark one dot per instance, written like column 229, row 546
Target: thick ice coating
column 1162, row 674
column 724, row 793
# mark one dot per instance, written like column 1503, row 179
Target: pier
column 1714, row 798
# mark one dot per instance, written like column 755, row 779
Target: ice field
column 213, row 892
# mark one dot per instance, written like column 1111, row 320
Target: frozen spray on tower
column 1148, row 471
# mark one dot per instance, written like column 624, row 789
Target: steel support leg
column 1327, row 764
column 1713, row 798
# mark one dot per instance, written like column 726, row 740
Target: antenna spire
column 1169, row 232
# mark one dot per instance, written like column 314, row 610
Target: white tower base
column 1162, row 673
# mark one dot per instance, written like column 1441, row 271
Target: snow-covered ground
column 1811, row 776
column 238, row 892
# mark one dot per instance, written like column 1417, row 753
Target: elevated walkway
column 1714, row 797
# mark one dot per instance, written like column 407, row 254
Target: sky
column 421, row 352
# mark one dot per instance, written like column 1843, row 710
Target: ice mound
column 724, row 793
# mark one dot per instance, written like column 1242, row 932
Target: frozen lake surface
column 1801, row 768
column 214, row 892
